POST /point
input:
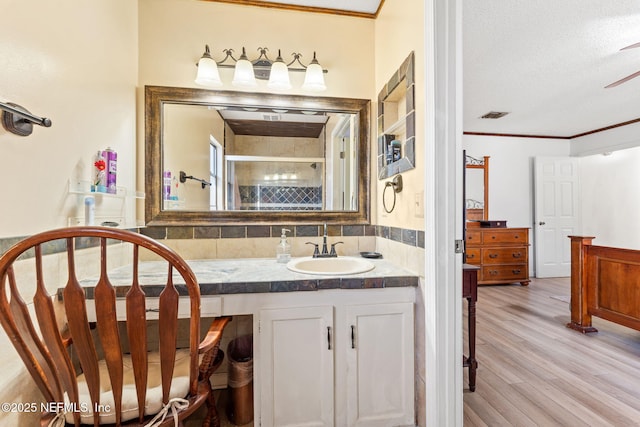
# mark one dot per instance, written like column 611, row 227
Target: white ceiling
column 545, row 62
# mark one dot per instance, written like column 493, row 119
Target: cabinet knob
column 493, row 256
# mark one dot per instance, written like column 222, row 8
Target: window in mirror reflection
column 259, row 159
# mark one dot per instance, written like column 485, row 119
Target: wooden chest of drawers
column 501, row 253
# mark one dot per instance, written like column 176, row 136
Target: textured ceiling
column 547, row 63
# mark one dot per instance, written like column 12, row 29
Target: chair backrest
column 44, row 348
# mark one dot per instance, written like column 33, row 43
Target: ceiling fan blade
column 626, row 79
column 631, row 46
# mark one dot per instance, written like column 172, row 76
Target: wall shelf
column 83, row 188
column 398, row 128
column 110, row 207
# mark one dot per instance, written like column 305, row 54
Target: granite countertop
column 253, row 275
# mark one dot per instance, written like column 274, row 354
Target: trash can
column 240, row 354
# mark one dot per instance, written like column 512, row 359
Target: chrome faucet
column 325, row 252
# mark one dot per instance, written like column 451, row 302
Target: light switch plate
column 419, row 204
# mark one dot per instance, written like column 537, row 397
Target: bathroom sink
column 333, row 266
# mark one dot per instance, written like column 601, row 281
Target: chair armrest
column 214, row 334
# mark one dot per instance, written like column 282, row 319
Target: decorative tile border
column 403, row 235
column 51, row 247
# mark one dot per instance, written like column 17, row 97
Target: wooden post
column 580, row 317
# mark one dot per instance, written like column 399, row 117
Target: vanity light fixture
column 244, row 76
column 279, row 76
column 208, row 71
column 246, row 71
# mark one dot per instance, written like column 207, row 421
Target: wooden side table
column 470, row 292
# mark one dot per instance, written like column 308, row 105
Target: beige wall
column 173, row 34
column 399, row 29
column 75, row 62
column 187, row 131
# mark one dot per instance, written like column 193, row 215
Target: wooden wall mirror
column 228, row 157
column 476, row 188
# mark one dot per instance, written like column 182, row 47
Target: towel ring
column 396, row 184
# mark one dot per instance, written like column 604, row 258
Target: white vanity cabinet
column 296, row 351
column 379, row 365
column 337, row 365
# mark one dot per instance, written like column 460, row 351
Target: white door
column 556, row 214
column 296, row 351
column 380, row 361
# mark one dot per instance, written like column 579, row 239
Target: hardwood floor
column 534, row 371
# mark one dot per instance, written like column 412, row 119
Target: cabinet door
column 296, row 351
column 380, row 365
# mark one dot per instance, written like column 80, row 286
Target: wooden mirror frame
column 157, row 96
column 472, row 214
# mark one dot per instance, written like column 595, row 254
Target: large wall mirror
column 477, row 188
column 233, row 157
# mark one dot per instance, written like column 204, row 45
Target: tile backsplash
column 259, row 241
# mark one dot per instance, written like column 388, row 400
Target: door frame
column 443, row 215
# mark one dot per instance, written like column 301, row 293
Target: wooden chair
column 64, row 361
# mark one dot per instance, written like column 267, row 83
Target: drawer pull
column 493, row 272
column 493, row 256
column 516, row 271
column 517, row 254
column 470, row 256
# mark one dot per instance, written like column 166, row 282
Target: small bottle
column 396, row 145
column 166, row 185
column 283, row 250
column 89, row 210
column 99, row 184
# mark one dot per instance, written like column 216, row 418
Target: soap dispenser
column 283, row 250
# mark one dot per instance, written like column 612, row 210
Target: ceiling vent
column 494, row 115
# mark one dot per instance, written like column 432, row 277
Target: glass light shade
column 243, row 75
column 314, row 78
column 279, row 77
column 208, row 73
